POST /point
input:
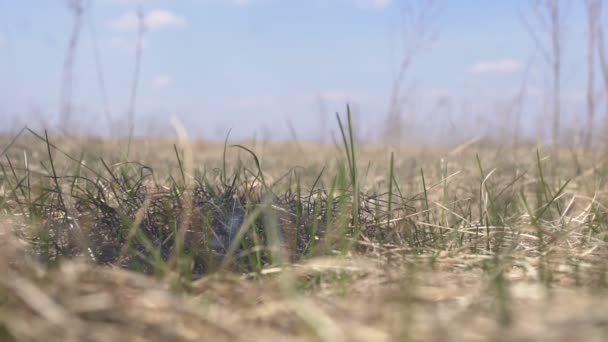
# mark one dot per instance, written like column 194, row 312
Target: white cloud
column 372, row 4
column 234, row 3
column 162, row 81
column 160, row 19
column 129, row 2
column 239, row 3
column 154, row 20
column 496, row 67
column 124, row 2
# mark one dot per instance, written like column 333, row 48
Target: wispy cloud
column 154, row 20
column 239, row 3
column 132, row 2
column 501, row 66
column 372, row 4
column 162, row 81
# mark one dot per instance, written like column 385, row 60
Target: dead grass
column 488, row 244
column 336, row 299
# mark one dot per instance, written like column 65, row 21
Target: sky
column 281, row 69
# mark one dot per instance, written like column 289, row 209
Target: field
column 159, row 240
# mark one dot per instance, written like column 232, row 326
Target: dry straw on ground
column 475, row 245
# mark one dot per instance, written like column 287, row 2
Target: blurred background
column 413, row 71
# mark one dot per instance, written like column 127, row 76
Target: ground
column 114, row 240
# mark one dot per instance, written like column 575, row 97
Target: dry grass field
column 158, row 240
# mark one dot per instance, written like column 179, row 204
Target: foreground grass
column 262, row 241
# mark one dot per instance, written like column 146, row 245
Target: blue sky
column 257, row 65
